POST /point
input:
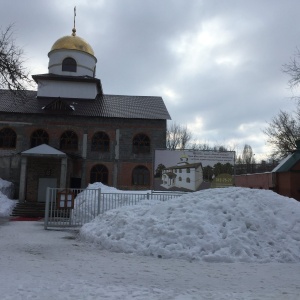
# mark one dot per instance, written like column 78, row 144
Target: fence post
column 148, row 196
column 99, row 201
column 47, row 208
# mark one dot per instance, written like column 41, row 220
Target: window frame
column 100, row 142
column 141, row 144
column 99, row 173
column 69, row 64
column 140, row 176
column 8, row 138
column 41, row 138
column 70, row 139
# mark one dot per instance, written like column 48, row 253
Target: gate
column 75, row 207
column 71, row 207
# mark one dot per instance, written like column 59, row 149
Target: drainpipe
column 84, row 154
column 117, row 157
column 63, row 172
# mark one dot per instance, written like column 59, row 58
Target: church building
column 68, row 133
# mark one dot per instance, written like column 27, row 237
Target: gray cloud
column 217, row 63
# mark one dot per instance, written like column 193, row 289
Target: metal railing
column 75, row 207
column 84, row 207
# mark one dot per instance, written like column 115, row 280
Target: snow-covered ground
column 54, row 264
column 161, row 250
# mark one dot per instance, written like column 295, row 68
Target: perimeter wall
column 256, row 181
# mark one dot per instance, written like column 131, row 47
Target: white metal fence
column 75, row 207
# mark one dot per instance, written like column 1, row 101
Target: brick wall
column 25, row 124
column 256, row 181
column 125, row 175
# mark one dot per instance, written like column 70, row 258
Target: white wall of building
column 67, row 89
column 86, row 63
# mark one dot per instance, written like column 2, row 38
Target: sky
column 217, row 64
column 232, row 243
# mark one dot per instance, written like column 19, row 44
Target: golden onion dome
column 72, row 42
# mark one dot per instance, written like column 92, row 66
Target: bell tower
column 72, row 68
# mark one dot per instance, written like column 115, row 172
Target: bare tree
column 282, row 132
column 220, row 148
column 284, row 129
column 201, row 146
column 245, row 163
column 293, row 70
column 178, row 136
column 13, row 75
column 247, row 155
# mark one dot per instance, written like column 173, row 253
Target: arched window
column 69, row 64
column 188, row 180
column 179, row 179
column 100, row 142
column 69, row 140
column 99, row 173
column 8, row 138
column 141, row 176
column 39, row 137
column 141, row 144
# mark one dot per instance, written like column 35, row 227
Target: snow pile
column 86, row 208
column 103, row 187
column 216, row 225
column 6, row 205
column 7, row 188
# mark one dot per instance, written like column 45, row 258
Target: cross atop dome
column 74, row 28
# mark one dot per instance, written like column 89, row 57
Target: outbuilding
column 286, row 176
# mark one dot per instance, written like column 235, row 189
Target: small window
column 188, row 170
column 39, row 137
column 141, row 176
column 8, row 138
column 69, row 140
column 180, row 171
column 69, row 64
column 99, row 173
column 100, row 142
column 179, row 179
column 188, row 180
column 141, row 144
